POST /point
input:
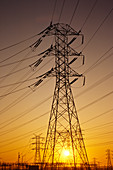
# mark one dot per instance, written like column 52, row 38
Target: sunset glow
column 28, row 81
column 66, row 152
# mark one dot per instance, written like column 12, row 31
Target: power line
column 99, row 144
column 98, row 28
column 19, row 99
column 8, row 64
column 12, row 104
column 14, row 55
column 74, row 12
column 17, row 127
column 61, row 11
column 96, row 62
column 95, row 101
column 12, row 91
column 5, row 48
column 98, row 116
column 48, row 112
column 105, row 78
column 9, row 74
column 30, row 132
column 22, row 138
column 98, row 135
column 13, row 149
column 89, row 14
column 22, row 70
column 26, row 112
column 53, row 10
column 105, row 124
column 12, row 84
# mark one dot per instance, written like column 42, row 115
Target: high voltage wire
column 98, row 116
column 89, row 14
column 13, row 89
column 97, row 61
column 9, row 74
column 19, row 126
column 14, row 149
column 78, row 110
column 22, row 70
column 105, row 78
column 22, row 138
column 90, row 68
column 103, row 21
column 22, row 97
column 5, row 48
column 53, row 10
column 8, row 64
column 14, row 55
column 11, row 92
column 100, row 126
column 12, row 84
column 94, row 85
column 18, row 100
column 61, row 10
column 30, row 132
column 26, row 112
column 99, row 144
column 105, row 133
column 74, row 12
column 14, row 68
column 95, row 101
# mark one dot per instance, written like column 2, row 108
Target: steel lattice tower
column 64, row 131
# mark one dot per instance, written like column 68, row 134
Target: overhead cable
column 95, row 101
column 89, row 14
column 103, row 21
column 74, row 12
column 53, row 10
column 5, row 48
column 61, row 11
column 97, row 61
column 98, row 116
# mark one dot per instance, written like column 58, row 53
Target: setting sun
column 66, row 152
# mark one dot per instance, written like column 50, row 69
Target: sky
column 24, row 112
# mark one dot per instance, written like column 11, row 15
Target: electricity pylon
column 109, row 165
column 38, row 144
column 64, row 119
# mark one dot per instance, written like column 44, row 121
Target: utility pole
column 109, row 165
column 63, row 116
column 18, row 160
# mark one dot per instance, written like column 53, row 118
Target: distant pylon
column 64, row 129
column 37, row 143
column 109, row 165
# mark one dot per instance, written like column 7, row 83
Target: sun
column 66, row 152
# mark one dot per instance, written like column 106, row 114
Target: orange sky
column 27, row 112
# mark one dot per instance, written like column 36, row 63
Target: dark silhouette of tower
column 64, row 131
column 109, row 165
column 38, row 147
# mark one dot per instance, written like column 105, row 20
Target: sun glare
column 66, row 153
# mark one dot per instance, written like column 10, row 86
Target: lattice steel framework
column 64, row 131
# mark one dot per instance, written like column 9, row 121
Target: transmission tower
column 37, row 143
column 64, row 119
column 109, row 165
